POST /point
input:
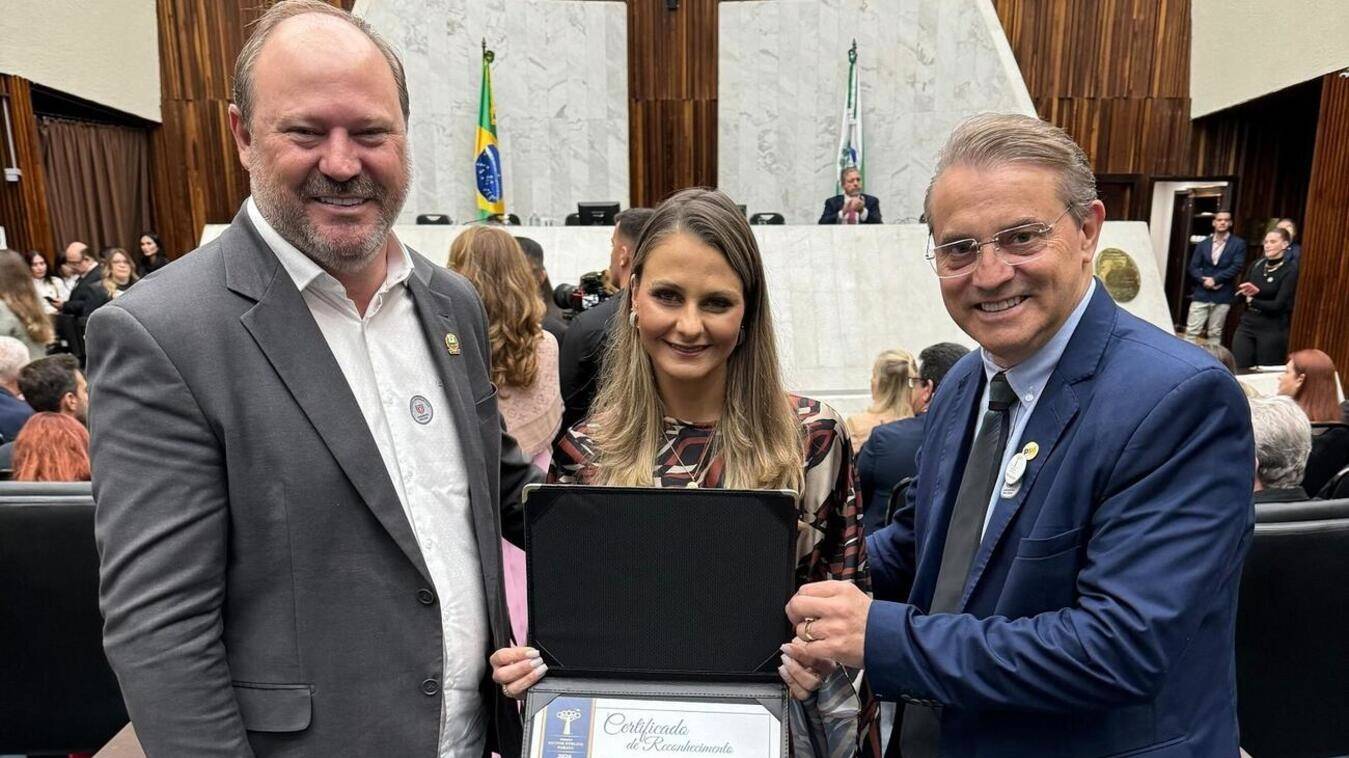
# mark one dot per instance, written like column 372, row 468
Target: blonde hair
column 17, row 293
column 109, row 285
column 758, row 432
column 495, row 264
column 893, row 372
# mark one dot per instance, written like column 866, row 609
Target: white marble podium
column 840, row 294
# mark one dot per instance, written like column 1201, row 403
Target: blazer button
column 430, row 687
column 425, row 596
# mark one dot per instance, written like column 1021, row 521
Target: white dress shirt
column 387, row 362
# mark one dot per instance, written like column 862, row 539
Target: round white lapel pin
column 421, row 410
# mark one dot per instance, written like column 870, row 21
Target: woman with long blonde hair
column 691, row 395
column 120, row 272
column 893, row 377
column 21, row 313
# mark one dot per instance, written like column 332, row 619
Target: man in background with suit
column 890, row 454
column 1214, row 267
column 582, row 352
column 299, row 456
column 1063, row 577
column 851, row 207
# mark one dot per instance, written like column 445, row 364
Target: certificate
column 608, row 727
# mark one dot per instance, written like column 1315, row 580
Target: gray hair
column 286, row 9
column 990, row 140
column 848, row 170
column 13, row 356
column 1283, row 440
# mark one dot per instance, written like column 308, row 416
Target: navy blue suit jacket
column 14, row 413
column 1098, row 616
column 835, row 204
column 889, row 455
column 1224, row 273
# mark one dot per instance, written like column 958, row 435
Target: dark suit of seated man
column 890, row 454
column 851, row 207
column 1062, row 579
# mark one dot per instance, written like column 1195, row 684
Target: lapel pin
column 1030, row 451
column 452, row 343
column 1015, row 469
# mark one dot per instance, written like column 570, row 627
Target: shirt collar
column 305, row 272
column 1029, row 377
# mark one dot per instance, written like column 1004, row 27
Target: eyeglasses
column 1015, row 246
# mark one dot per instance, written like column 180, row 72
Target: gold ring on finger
column 805, row 630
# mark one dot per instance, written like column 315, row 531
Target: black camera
column 592, row 290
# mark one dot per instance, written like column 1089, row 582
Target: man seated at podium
column 851, row 207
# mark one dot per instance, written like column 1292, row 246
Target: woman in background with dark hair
column 153, row 257
column 51, row 290
column 1309, row 378
column 1262, row 334
column 52, row 447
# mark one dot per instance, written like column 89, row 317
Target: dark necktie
column 921, row 731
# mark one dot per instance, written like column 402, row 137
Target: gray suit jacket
column 261, row 587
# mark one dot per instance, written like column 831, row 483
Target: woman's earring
column 632, row 319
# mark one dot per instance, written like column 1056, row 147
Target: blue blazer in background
column 1225, row 272
column 835, row 204
column 888, row 456
column 1098, row 616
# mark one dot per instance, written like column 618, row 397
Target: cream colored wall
column 1244, row 49
column 106, row 51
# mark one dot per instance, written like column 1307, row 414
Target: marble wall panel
column 560, row 82
column 924, row 66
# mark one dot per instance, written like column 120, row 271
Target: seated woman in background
column 51, row 290
column 892, row 380
column 153, row 257
column 524, row 366
column 119, row 272
column 52, row 447
column 1309, row 378
column 691, row 395
column 21, row 314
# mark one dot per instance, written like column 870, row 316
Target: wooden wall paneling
column 23, row 204
column 1321, row 313
column 672, row 98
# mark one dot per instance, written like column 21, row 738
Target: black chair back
column 434, row 219
column 572, row 219
column 896, row 499
column 1291, row 664
column 57, row 693
column 767, row 218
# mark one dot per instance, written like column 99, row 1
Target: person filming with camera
column 588, row 335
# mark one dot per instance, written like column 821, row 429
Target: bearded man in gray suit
column 302, row 478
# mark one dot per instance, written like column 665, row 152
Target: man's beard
column 285, row 211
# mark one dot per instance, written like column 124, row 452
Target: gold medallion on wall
column 1119, row 273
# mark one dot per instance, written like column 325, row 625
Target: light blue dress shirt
column 1028, row 379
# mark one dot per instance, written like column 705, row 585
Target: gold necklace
column 694, row 473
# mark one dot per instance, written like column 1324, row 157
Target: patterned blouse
column 831, row 546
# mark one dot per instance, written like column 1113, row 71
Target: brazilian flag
column 487, row 160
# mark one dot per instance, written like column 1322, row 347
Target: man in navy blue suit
column 890, row 454
column 1063, row 577
column 851, row 207
column 1214, row 268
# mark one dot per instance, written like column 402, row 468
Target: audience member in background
column 51, row 289
column 1214, row 268
column 13, row 410
column 21, row 314
column 552, row 317
column 890, row 453
column 52, row 447
column 1294, row 247
column 70, row 264
column 87, row 293
column 524, row 355
column 692, row 396
column 53, row 384
column 1225, row 357
column 588, row 335
column 893, row 377
column 153, row 257
column 1269, row 289
column 120, row 274
column 1282, row 441
column 851, row 207
column 1309, row 379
